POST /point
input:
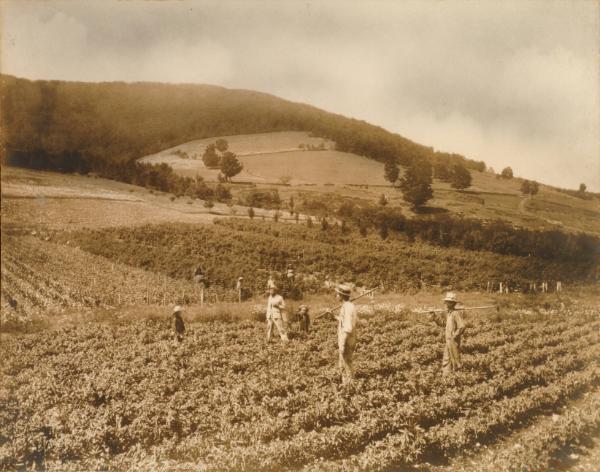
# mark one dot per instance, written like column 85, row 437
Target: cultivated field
column 43, row 278
column 223, row 400
column 92, row 378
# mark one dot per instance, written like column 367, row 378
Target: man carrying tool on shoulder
column 455, row 327
column 347, row 321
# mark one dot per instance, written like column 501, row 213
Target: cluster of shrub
column 475, row 234
column 582, row 193
column 216, row 155
column 159, row 177
column 256, row 198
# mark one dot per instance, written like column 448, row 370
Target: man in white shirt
column 347, row 321
column 275, row 306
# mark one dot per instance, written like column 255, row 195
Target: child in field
column 304, row 318
column 179, row 325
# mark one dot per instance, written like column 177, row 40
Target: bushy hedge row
column 478, row 235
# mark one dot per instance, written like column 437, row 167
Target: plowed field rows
column 224, row 400
column 43, row 277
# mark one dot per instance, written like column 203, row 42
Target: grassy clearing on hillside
column 318, row 167
column 269, row 156
column 249, row 144
column 38, row 200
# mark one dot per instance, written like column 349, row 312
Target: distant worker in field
column 275, row 309
column 200, row 280
column 347, row 321
column 179, row 325
column 558, row 286
column 455, row 327
column 304, row 318
column 270, row 282
column 198, row 275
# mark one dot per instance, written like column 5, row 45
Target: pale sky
column 511, row 83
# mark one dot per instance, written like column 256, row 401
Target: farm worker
column 179, row 324
column 198, row 275
column 275, row 306
column 199, row 279
column 455, row 326
column 347, row 321
column 270, row 282
column 558, row 286
column 238, row 287
column 304, row 318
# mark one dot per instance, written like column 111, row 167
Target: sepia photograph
column 300, row 235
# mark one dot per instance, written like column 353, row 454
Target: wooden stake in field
column 239, row 288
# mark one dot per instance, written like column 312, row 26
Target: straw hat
column 343, row 289
column 450, row 297
column 177, row 309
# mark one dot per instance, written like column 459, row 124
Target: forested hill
column 74, row 126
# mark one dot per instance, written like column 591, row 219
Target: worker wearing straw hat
column 347, row 320
column 455, row 327
column 275, row 307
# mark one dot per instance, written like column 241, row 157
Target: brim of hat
column 342, row 292
column 450, row 300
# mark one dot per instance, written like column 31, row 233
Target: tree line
column 475, row 235
column 121, row 122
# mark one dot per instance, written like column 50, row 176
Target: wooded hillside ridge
column 76, row 126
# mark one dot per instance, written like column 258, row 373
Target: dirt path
column 523, row 210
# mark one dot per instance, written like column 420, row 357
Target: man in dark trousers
column 179, row 325
column 304, row 318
